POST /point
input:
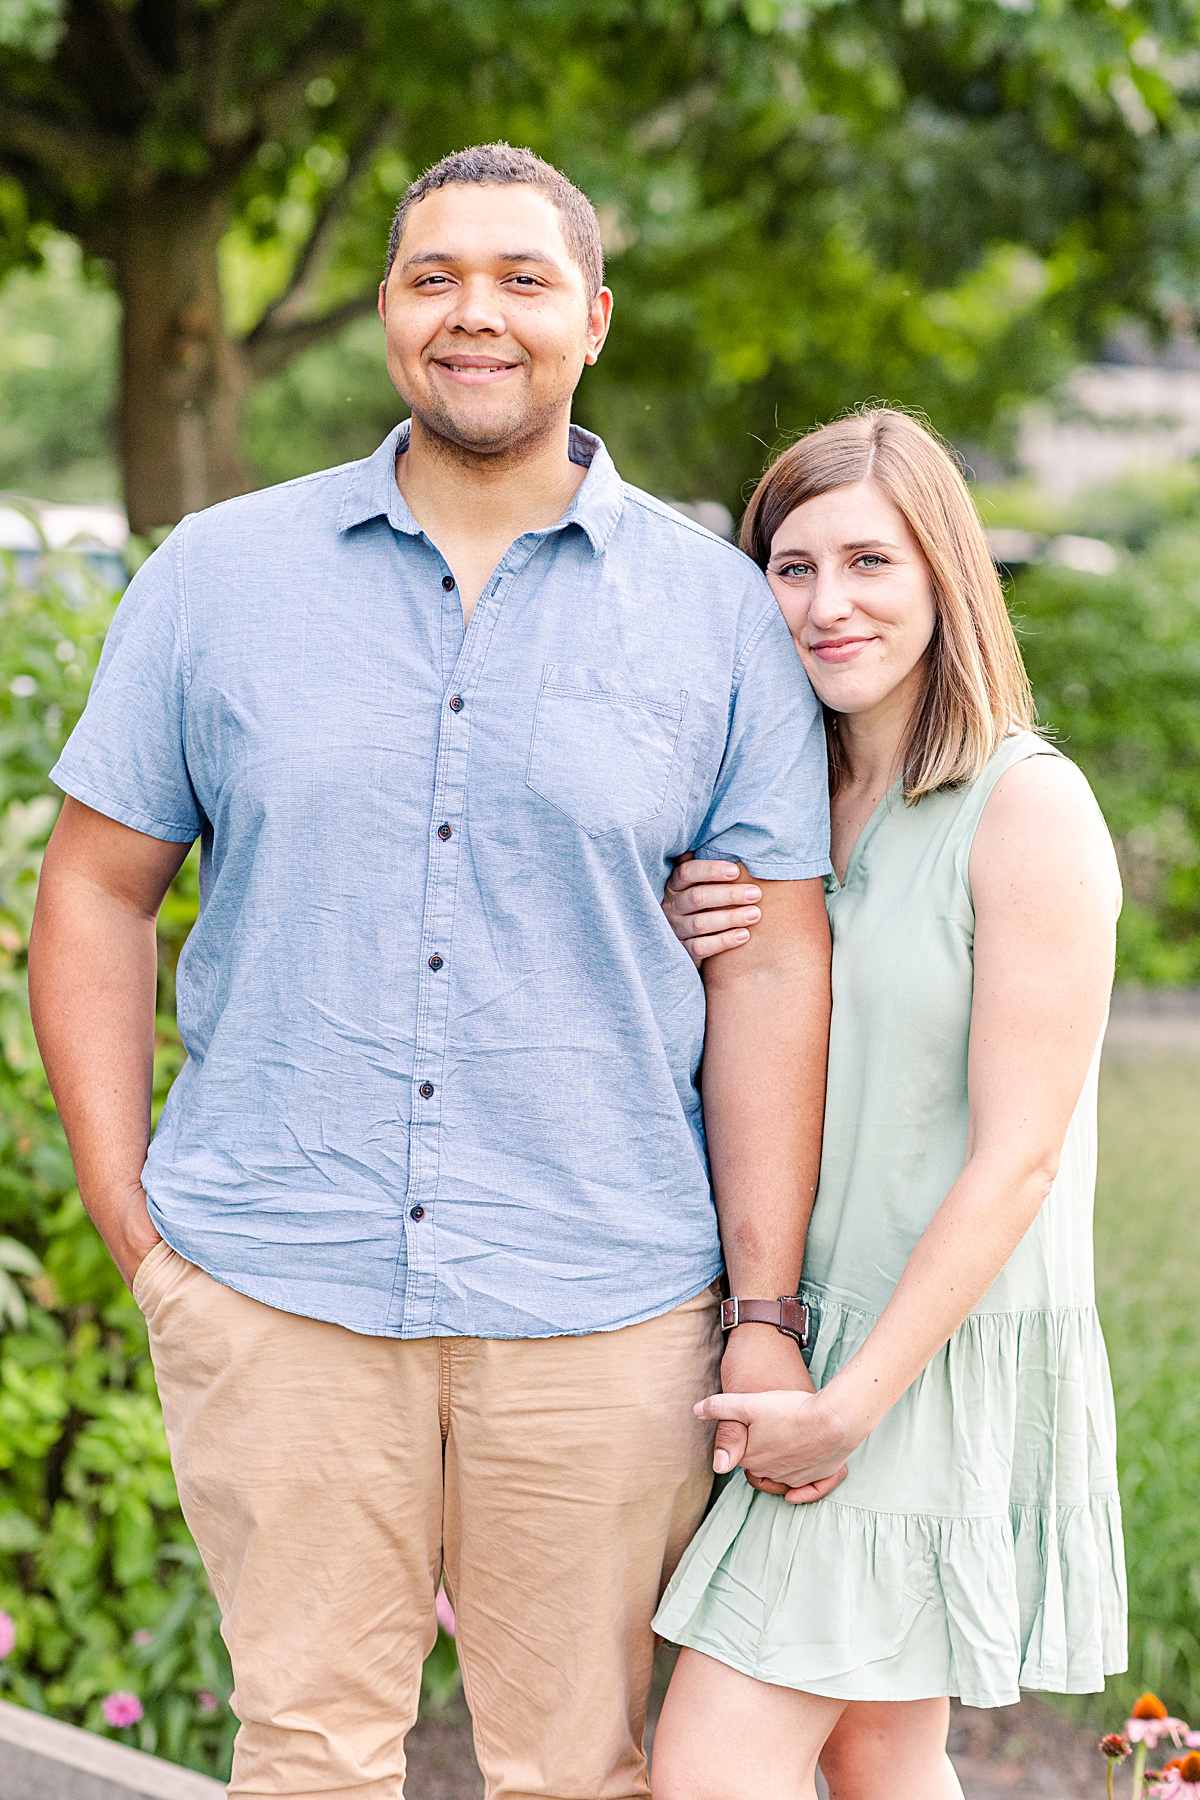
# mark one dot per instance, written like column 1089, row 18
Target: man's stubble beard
column 498, row 443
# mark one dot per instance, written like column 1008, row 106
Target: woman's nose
column 829, row 603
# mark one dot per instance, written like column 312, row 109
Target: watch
column 787, row 1314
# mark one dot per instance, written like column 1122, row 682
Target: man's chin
column 485, row 434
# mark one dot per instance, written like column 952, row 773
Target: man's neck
column 473, row 507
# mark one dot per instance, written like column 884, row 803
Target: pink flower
column 1149, row 1731
column 120, row 1710
column 207, row 1701
column 1180, row 1778
column 8, row 1635
column 1151, row 1721
column 445, row 1612
column 142, row 1638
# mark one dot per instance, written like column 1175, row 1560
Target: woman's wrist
column 850, row 1403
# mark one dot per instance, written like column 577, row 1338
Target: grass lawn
column 1148, row 1282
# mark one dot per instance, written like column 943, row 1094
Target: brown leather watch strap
column 787, row 1314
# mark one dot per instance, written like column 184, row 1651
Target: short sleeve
column 125, row 758
column 770, row 807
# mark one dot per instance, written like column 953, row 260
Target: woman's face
column 857, row 596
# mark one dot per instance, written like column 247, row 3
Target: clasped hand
column 790, row 1438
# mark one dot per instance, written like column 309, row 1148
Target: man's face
column 487, row 319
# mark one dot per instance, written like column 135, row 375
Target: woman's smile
column 839, row 650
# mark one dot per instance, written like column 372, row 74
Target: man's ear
column 599, row 320
column 383, row 299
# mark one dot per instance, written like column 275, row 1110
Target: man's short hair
column 502, row 165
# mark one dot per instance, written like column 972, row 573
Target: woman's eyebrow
column 859, row 545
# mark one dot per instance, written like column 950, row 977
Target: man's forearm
column 92, row 989
column 763, row 1081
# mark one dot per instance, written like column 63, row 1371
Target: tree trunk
column 183, row 377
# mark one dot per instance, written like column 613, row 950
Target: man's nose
column 477, row 309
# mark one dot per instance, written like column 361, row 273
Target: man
column 425, row 1237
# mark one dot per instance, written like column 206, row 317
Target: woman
column 974, row 1547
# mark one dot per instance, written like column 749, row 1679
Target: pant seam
column 444, row 1389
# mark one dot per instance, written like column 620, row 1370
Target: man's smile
column 474, row 371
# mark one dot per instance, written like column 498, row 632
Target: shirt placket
column 414, row 1309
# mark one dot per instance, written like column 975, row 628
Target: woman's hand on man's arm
column 711, row 906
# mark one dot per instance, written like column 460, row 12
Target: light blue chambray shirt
column 442, row 1044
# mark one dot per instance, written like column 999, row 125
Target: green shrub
column 96, row 1565
column 1115, row 666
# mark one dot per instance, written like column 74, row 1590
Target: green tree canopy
column 806, row 202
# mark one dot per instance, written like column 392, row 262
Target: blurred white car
column 31, row 529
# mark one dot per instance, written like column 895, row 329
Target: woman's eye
column 796, row 570
column 871, row 561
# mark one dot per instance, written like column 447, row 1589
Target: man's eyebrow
column 447, row 258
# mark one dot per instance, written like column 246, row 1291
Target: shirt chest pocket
column 603, row 749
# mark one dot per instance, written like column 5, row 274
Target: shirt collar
column 373, row 492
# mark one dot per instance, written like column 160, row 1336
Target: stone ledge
column 43, row 1759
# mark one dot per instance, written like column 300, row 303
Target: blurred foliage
column 328, row 406
column 58, row 347
column 1115, row 665
column 1149, row 1154
column 805, row 202
column 96, row 1565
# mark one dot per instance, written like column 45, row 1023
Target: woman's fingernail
column 741, row 937
column 730, row 869
column 754, row 893
column 752, row 914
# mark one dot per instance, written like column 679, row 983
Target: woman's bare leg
column 723, row 1735
column 891, row 1750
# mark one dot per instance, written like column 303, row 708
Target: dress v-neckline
column 868, row 831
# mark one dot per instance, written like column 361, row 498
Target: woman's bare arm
column 93, row 967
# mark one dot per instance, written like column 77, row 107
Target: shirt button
column 445, row 831
column 416, row 1212
column 447, row 582
column 435, row 963
column 426, row 1090
column 456, row 703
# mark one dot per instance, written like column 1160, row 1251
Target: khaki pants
column 329, row 1479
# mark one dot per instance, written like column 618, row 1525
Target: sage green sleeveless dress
column 975, row 1548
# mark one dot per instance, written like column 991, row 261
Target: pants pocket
column 146, row 1288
